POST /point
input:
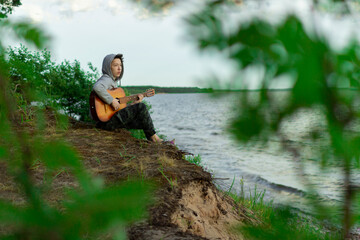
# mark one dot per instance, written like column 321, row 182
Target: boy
column 134, row 116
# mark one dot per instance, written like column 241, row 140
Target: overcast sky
column 156, row 49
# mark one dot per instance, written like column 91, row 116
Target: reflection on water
column 198, row 123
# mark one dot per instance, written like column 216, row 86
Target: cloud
column 32, row 11
column 35, row 13
column 69, row 7
column 83, row 5
column 114, row 7
column 39, row 10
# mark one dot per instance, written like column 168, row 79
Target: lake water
column 198, row 122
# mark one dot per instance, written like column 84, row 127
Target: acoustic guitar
column 101, row 111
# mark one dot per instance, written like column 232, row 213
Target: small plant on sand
column 125, row 155
column 194, row 159
column 98, row 160
column 254, row 201
column 140, row 171
column 172, row 182
column 231, row 186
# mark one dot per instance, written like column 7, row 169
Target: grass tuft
column 166, row 161
column 194, row 159
column 275, row 220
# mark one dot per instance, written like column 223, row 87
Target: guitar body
column 101, row 111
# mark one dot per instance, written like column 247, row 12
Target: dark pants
column 132, row 117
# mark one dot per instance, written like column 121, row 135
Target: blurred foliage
column 91, row 210
column 6, row 7
column 283, row 223
column 155, row 6
column 23, row 31
column 65, row 84
column 277, row 222
column 304, row 59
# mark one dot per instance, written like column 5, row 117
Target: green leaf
column 29, row 32
column 57, row 154
column 248, row 124
column 3, row 152
column 108, row 207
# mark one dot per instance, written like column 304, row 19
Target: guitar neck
column 130, row 98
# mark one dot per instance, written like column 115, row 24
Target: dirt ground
column 191, row 207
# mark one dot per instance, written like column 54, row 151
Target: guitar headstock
column 149, row 93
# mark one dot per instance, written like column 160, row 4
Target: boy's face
column 116, row 67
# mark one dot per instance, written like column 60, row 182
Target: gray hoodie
column 107, row 80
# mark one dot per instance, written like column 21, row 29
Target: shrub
column 66, row 84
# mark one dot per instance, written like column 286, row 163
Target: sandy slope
column 189, row 208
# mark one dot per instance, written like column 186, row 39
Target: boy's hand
column 140, row 98
column 115, row 104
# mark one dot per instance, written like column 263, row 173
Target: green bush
column 66, row 84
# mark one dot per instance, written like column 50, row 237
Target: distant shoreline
column 162, row 90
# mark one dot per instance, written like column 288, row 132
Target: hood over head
column 106, row 66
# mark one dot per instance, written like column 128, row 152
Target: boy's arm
column 101, row 90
